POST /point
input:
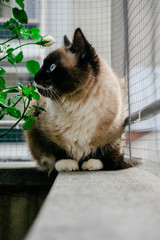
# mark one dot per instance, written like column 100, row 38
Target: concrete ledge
column 117, row 205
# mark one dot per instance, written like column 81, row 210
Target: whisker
column 56, row 101
column 60, row 98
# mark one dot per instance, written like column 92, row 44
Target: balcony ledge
column 100, row 205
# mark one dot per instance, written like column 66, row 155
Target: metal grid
column 143, row 68
column 127, row 34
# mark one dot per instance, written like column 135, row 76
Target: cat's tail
column 127, row 162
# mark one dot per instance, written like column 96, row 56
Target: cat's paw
column 66, row 165
column 92, row 165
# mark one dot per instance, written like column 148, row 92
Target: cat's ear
column 66, row 41
column 80, row 44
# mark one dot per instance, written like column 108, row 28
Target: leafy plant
column 17, row 26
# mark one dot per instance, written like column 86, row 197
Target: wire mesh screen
column 126, row 34
column 143, row 65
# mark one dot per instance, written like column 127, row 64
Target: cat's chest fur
column 75, row 124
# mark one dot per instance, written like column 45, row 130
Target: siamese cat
column 85, row 111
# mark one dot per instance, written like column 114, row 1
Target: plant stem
column 17, row 48
column 5, row 5
column 10, row 39
column 23, row 114
column 17, row 102
column 2, row 105
column 11, row 87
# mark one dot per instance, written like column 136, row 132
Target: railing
column 144, row 113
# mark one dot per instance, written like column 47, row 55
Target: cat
column 85, row 111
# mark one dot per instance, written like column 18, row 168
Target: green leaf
column 20, row 3
column 28, row 31
column 34, row 33
column 3, row 95
column 9, row 50
column 19, row 57
column 35, row 30
column 20, row 15
column 36, row 96
column 31, row 119
column 22, row 27
column 2, row 82
column 2, row 100
column 33, row 88
column 27, row 125
column 2, row 71
column 25, row 36
column 11, row 58
column 12, row 20
column 26, row 91
column 36, row 36
column 14, row 112
column 39, row 108
column 32, row 66
column 6, row 24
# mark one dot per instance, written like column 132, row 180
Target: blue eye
column 52, row 67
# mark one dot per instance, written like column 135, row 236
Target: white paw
column 66, row 165
column 92, row 164
column 47, row 163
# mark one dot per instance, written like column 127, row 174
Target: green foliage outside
column 17, row 26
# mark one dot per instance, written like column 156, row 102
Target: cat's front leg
column 92, row 165
column 66, row 165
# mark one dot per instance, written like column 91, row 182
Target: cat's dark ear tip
column 78, row 31
column 66, row 41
